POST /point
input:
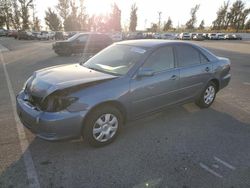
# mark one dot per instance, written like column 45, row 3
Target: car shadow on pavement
column 161, row 150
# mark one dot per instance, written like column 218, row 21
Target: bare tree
column 6, row 13
column 222, row 17
column 25, row 5
column 201, row 26
column 82, row 16
column 191, row 23
column 63, row 8
column 234, row 18
column 115, row 18
column 168, row 25
column 52, row 20
column 247, row 25
column 37, row 24
column 133, row 18
column 16, row 15
column 153, row 28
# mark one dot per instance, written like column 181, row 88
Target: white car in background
column 212, row 36
column 44, row 35
column 185, row 36
column 157, row 36
column 116, row 37
column 220, row 36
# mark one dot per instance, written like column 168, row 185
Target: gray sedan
column 127, row 80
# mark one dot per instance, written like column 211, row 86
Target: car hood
column 49, row 80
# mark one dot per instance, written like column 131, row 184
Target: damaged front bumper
column 49, row 125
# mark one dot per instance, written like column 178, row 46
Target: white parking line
column 246, row 83
column 28, row 161
column 210, row 170
column 3, row 49
column 224, row 163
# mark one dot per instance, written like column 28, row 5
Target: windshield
column 116, row 59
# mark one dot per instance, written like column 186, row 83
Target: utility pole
column 159, row 24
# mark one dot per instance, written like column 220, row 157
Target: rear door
column 150, row 93
column 80, row 42
column 97, row 42
column 195, row 70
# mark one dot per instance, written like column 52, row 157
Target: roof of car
column 150, row 43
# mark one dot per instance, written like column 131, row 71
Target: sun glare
column 97, row 7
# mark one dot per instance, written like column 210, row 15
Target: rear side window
column 100, row 38
column 187, row 56
column 160, row 60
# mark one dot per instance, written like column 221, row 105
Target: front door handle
column 174, row 77
column 207, row 69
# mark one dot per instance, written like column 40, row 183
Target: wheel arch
column 116, row 104
column 217, row 83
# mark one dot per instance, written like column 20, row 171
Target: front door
column 150, row 93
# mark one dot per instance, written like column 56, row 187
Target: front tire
column 207, row 96
column 102, row 126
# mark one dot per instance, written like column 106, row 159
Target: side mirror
column 145, row 72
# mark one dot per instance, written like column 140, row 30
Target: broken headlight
column 58, row 103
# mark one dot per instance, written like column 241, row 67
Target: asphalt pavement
column 181, row 147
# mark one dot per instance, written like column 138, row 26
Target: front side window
column 160, row 60
column 187, row 55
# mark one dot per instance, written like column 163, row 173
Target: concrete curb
column 3, row 49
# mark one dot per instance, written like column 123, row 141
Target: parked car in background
column 220, row 36
column 35, row 34
column 148, row 36
column 3, row 32
column 59, row 35
column 82, row 43
column 205, row 35
column 44, row 35
column 116, row 37
column 185, row 36
column 229, row 37
column 198, row 37
column 157, row 35
column 12, row 33
column 52, row 35
column 212, row 36
column 125, row 81
column 168, row 36
column 24, row 35
column 192, row 35
column 135, row 35
column 237, row 37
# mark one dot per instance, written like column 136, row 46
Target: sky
column 178, row 10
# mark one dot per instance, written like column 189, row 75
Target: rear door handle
column 207, row 69
column 174, row 77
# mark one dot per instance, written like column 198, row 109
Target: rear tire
column 102, row 126
column 208, row 95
